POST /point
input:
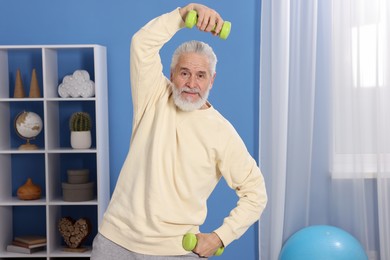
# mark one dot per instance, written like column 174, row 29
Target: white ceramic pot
column 80, row 139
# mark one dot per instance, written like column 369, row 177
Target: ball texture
column 322, row 243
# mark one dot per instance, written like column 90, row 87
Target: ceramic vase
column 29, row 191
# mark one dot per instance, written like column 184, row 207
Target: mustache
column 189, row 90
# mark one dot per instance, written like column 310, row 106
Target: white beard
column 185, row 104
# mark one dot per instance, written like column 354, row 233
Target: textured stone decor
column 74, row 232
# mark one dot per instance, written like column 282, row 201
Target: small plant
column 80, row 121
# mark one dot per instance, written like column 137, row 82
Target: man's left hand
column 207, row 244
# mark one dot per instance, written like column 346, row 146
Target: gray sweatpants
column 104, row 249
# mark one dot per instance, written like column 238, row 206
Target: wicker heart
column 74, row 233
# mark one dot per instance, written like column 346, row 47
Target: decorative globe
column 28, row 125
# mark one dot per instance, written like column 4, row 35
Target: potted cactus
column 80, row 130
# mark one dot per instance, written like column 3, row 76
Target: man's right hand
column 209, row 20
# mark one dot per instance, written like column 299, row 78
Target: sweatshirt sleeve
column 146, row 70
column 242, row 174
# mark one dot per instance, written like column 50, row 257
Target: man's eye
column 201, row 76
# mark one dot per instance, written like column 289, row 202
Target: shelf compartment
column 33, row 219
column 25, row 60
column 15, row 109
column 9, row 139
column 75, row 212
column 26, row 166
column 58, row 114
column 34, row 223
column 61, row 62
column 59, row 163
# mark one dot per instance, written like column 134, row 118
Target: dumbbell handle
column 189, row 243
column 192, row 19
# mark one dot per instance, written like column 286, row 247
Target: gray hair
column 195, row 47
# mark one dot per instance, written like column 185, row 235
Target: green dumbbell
column 190, row 241
column 192, row 19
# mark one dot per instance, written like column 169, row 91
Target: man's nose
column 191, row 82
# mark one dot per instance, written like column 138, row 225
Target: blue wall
column 112, row 23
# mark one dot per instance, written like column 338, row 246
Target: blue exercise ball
column 322, row 243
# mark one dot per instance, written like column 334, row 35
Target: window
column 361, row 92
column 367, row 55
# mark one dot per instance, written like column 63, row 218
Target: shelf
column 23, row 256
column 17, row 151
column 42, row 151
column 60, row 202
column 15, row 201
column 42, row 202
column 54, row 99
column 58, row 252
column 47, row 166
column 20, row 99
column 70, row 150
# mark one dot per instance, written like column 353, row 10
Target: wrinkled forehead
column 193, row 62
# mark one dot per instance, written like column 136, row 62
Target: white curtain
column 361, row 118
column 325, row 120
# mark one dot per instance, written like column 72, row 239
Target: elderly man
column 181, row 146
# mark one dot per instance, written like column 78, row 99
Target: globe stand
column 28, row 146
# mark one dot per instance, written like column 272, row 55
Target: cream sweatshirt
column 175, row 161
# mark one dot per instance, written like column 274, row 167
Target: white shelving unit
column 47, row 166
